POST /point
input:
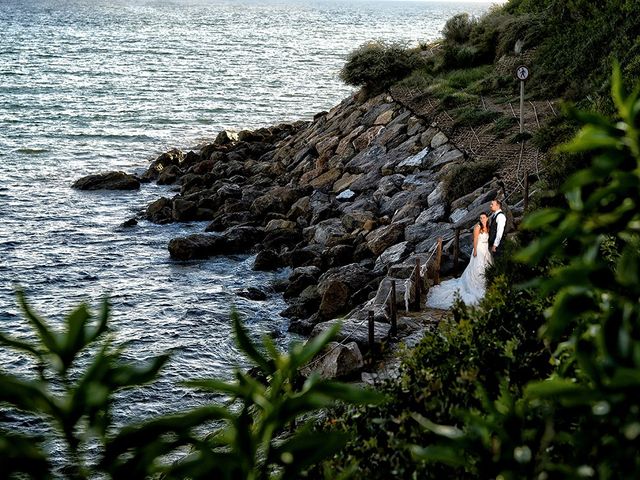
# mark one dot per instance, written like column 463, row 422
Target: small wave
column 32, row 151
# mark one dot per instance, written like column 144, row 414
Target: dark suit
column 493, row 233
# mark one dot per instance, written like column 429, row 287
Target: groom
column 497, row 222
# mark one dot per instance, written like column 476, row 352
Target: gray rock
column 346, row 195
column 427, row 136
column 356, row 331
column 439, row 230
column 434, row 213
column 383, row 237
column 438, row 139
column 413, row 162
column 409, row 213
column 373, row 158
column 437, row 195
column 449, row 156
column 402, row 287
column 107, row 181
column 329, row 232
column 457, row 215
column 367, row 182
column 472, row 216
column 393, row 254
column 336, row 361
column 419, row 232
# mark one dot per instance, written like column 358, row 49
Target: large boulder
column 184, row 210
column 267, row 260
column 355, row 330
column 383, row 237
column 108, row 181
column 394, row 254
column 198, row 245
column 330, row 232
column 337, row 287
column 405, row 290
column 278, row 199
column 160, row 211
column 336, row 361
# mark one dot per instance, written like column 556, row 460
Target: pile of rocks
column 348, row 201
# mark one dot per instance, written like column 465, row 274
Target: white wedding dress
column 471, row 285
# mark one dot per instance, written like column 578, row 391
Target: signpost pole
column 521, row 106
column 522, row 72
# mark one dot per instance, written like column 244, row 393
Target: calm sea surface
column 91, row 86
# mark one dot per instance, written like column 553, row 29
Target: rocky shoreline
column 348, row 201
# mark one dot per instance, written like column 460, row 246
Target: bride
column 471, row 285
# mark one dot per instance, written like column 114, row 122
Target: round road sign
column 522, row 72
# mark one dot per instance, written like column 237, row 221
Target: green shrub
column 581, row 421
column 249, row 438
column 438, row 377
column 458, row 28
column 503, row 125
column 555, row 131
column 465, row 177
column 378, row 65
column 473, row 117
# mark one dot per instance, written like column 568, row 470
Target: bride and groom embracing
column 471, row 286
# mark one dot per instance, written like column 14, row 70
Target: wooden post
column 436, row 274
column 456, row 250
column 418, row 281
column 371, row 337
column 526, row 191
column 393, row 309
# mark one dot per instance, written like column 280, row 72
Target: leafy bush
column 378, row 65
column 250, row 442
column 465, row 177
column 473, row 117
column 582, row 421
column 486, row 345
column 458, row 28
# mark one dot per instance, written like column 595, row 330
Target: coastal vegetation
column 540, row 380
column 79, row 371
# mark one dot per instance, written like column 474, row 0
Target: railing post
column 371, row 337
column 436, row 274
column 418, row 281
column 526, row 191
column 393, row 309
column 456, row 250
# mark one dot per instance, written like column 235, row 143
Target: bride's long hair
column 483, row 228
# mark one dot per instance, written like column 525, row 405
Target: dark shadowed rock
column 198, row 245
column 252, row 293
column 301, row 278
column 184, row 210
column 132, row 222
column 337, row 286
column 108, row 181
column 169, row 175
column 160, row 211
column 267, row 260
column 225, row 220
